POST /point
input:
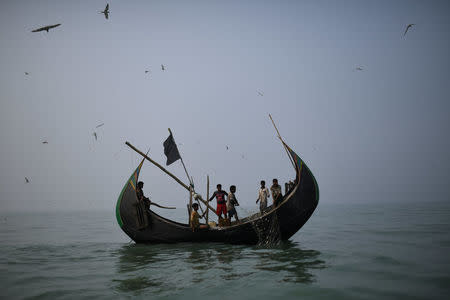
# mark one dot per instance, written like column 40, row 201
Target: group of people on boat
column 226, row 202
column 264, row 194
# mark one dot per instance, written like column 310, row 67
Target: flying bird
column 162, row 67
column 44, row 142
column 259, row 93
column 106, row 11
column 146, row 71
column 227, row 147
column 359, row 68
column 26, row 180
column 100, row 125
column 95, row 135
column 47, row 28
column 407, row 28
column 26, row 73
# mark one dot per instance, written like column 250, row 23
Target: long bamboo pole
column 168, row 173
column 201, row 208
column 284, row 145
column 190, row 205
column 158, row 165
column 207, row 204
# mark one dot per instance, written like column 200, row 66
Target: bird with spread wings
column 47, row 28
column 407, row 28
column 106, row 11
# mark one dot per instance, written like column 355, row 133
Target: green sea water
column 345, row 251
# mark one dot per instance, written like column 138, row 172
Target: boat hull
column 272, row 225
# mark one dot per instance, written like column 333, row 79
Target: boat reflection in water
column 165, row 269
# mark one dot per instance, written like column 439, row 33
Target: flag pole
column 181, row 158
column 170, row 174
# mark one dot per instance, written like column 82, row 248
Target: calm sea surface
column 360, row 251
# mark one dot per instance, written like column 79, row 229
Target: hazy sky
column 380, row 134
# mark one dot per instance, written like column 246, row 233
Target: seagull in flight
column 227, row 147
column 407, row 28
column 359, row 68
column 162, row 67
column 95, row 135
column 44, row 142
column 100, row 125
column 26, row 180
column 26, row 73
column 106, row 11
column 47, row 28
column 259, row 93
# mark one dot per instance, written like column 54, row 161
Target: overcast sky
column 380, row 134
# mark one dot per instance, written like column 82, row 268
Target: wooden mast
column 168, row 173
column 207, row 196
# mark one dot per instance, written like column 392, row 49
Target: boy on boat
column 276, row 192
column 195, row 219
column 221, row 202
column 263, row 194
column 231, row 203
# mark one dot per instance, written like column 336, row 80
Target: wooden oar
column 166, row 207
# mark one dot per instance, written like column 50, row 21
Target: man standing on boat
column 276, row 193
column 141, row 197
column 221, row 201
column 231, row 203
column 263, row 194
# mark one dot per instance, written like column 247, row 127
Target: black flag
column 171, row 150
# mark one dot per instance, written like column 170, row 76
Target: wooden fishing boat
column 274, row 224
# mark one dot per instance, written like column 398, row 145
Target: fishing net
column 268, row 230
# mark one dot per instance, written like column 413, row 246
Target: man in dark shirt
column 221, row 201
column 276, row 193
column 140, row 195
